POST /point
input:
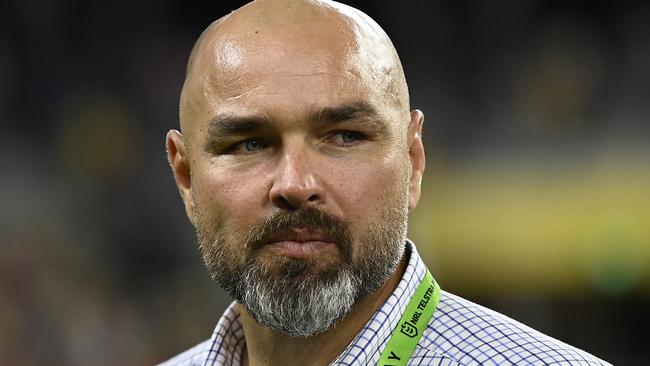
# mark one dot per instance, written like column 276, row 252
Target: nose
column 296, row 183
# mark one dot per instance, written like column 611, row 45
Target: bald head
column 306, row 47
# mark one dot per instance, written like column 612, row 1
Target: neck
column 267, row 347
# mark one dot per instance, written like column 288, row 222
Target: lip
column 301, row 250
column 301, row 244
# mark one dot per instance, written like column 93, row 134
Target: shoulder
column 192, row 357
column 463, row 333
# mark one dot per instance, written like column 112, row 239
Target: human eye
column 248, row 146
column 347, row 138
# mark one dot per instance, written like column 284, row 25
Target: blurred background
column 536, row 197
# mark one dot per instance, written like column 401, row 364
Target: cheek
column 231, row 198
column 365, row 191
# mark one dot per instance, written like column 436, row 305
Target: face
column 298, row 176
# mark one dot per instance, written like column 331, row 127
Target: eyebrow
column 360, row 114
column 346, row 112
column 230, row 124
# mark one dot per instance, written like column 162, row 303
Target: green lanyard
column 412, row 324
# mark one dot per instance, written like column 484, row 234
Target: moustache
column 311, row 219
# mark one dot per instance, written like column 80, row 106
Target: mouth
column 302, row 244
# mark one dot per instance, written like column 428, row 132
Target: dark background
column 536, row 200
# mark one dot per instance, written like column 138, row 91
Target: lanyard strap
column 412, row 324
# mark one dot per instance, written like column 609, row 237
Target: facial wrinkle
column 243, row 93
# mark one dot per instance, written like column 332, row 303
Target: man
column 298, row 163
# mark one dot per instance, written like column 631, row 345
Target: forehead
column 286, row 71
column 283, row 66
column 268, row 72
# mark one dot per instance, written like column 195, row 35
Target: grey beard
column 300, row 304
column 284, row 295
column 300, row 307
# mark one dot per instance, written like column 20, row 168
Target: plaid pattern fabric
column 460, row 333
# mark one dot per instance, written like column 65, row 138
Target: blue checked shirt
column 461, row 333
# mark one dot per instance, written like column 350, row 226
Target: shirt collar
column 366, row 347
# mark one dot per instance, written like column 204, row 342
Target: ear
column 416, row 156
column 179, row 161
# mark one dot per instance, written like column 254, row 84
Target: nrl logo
column 409, row 329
